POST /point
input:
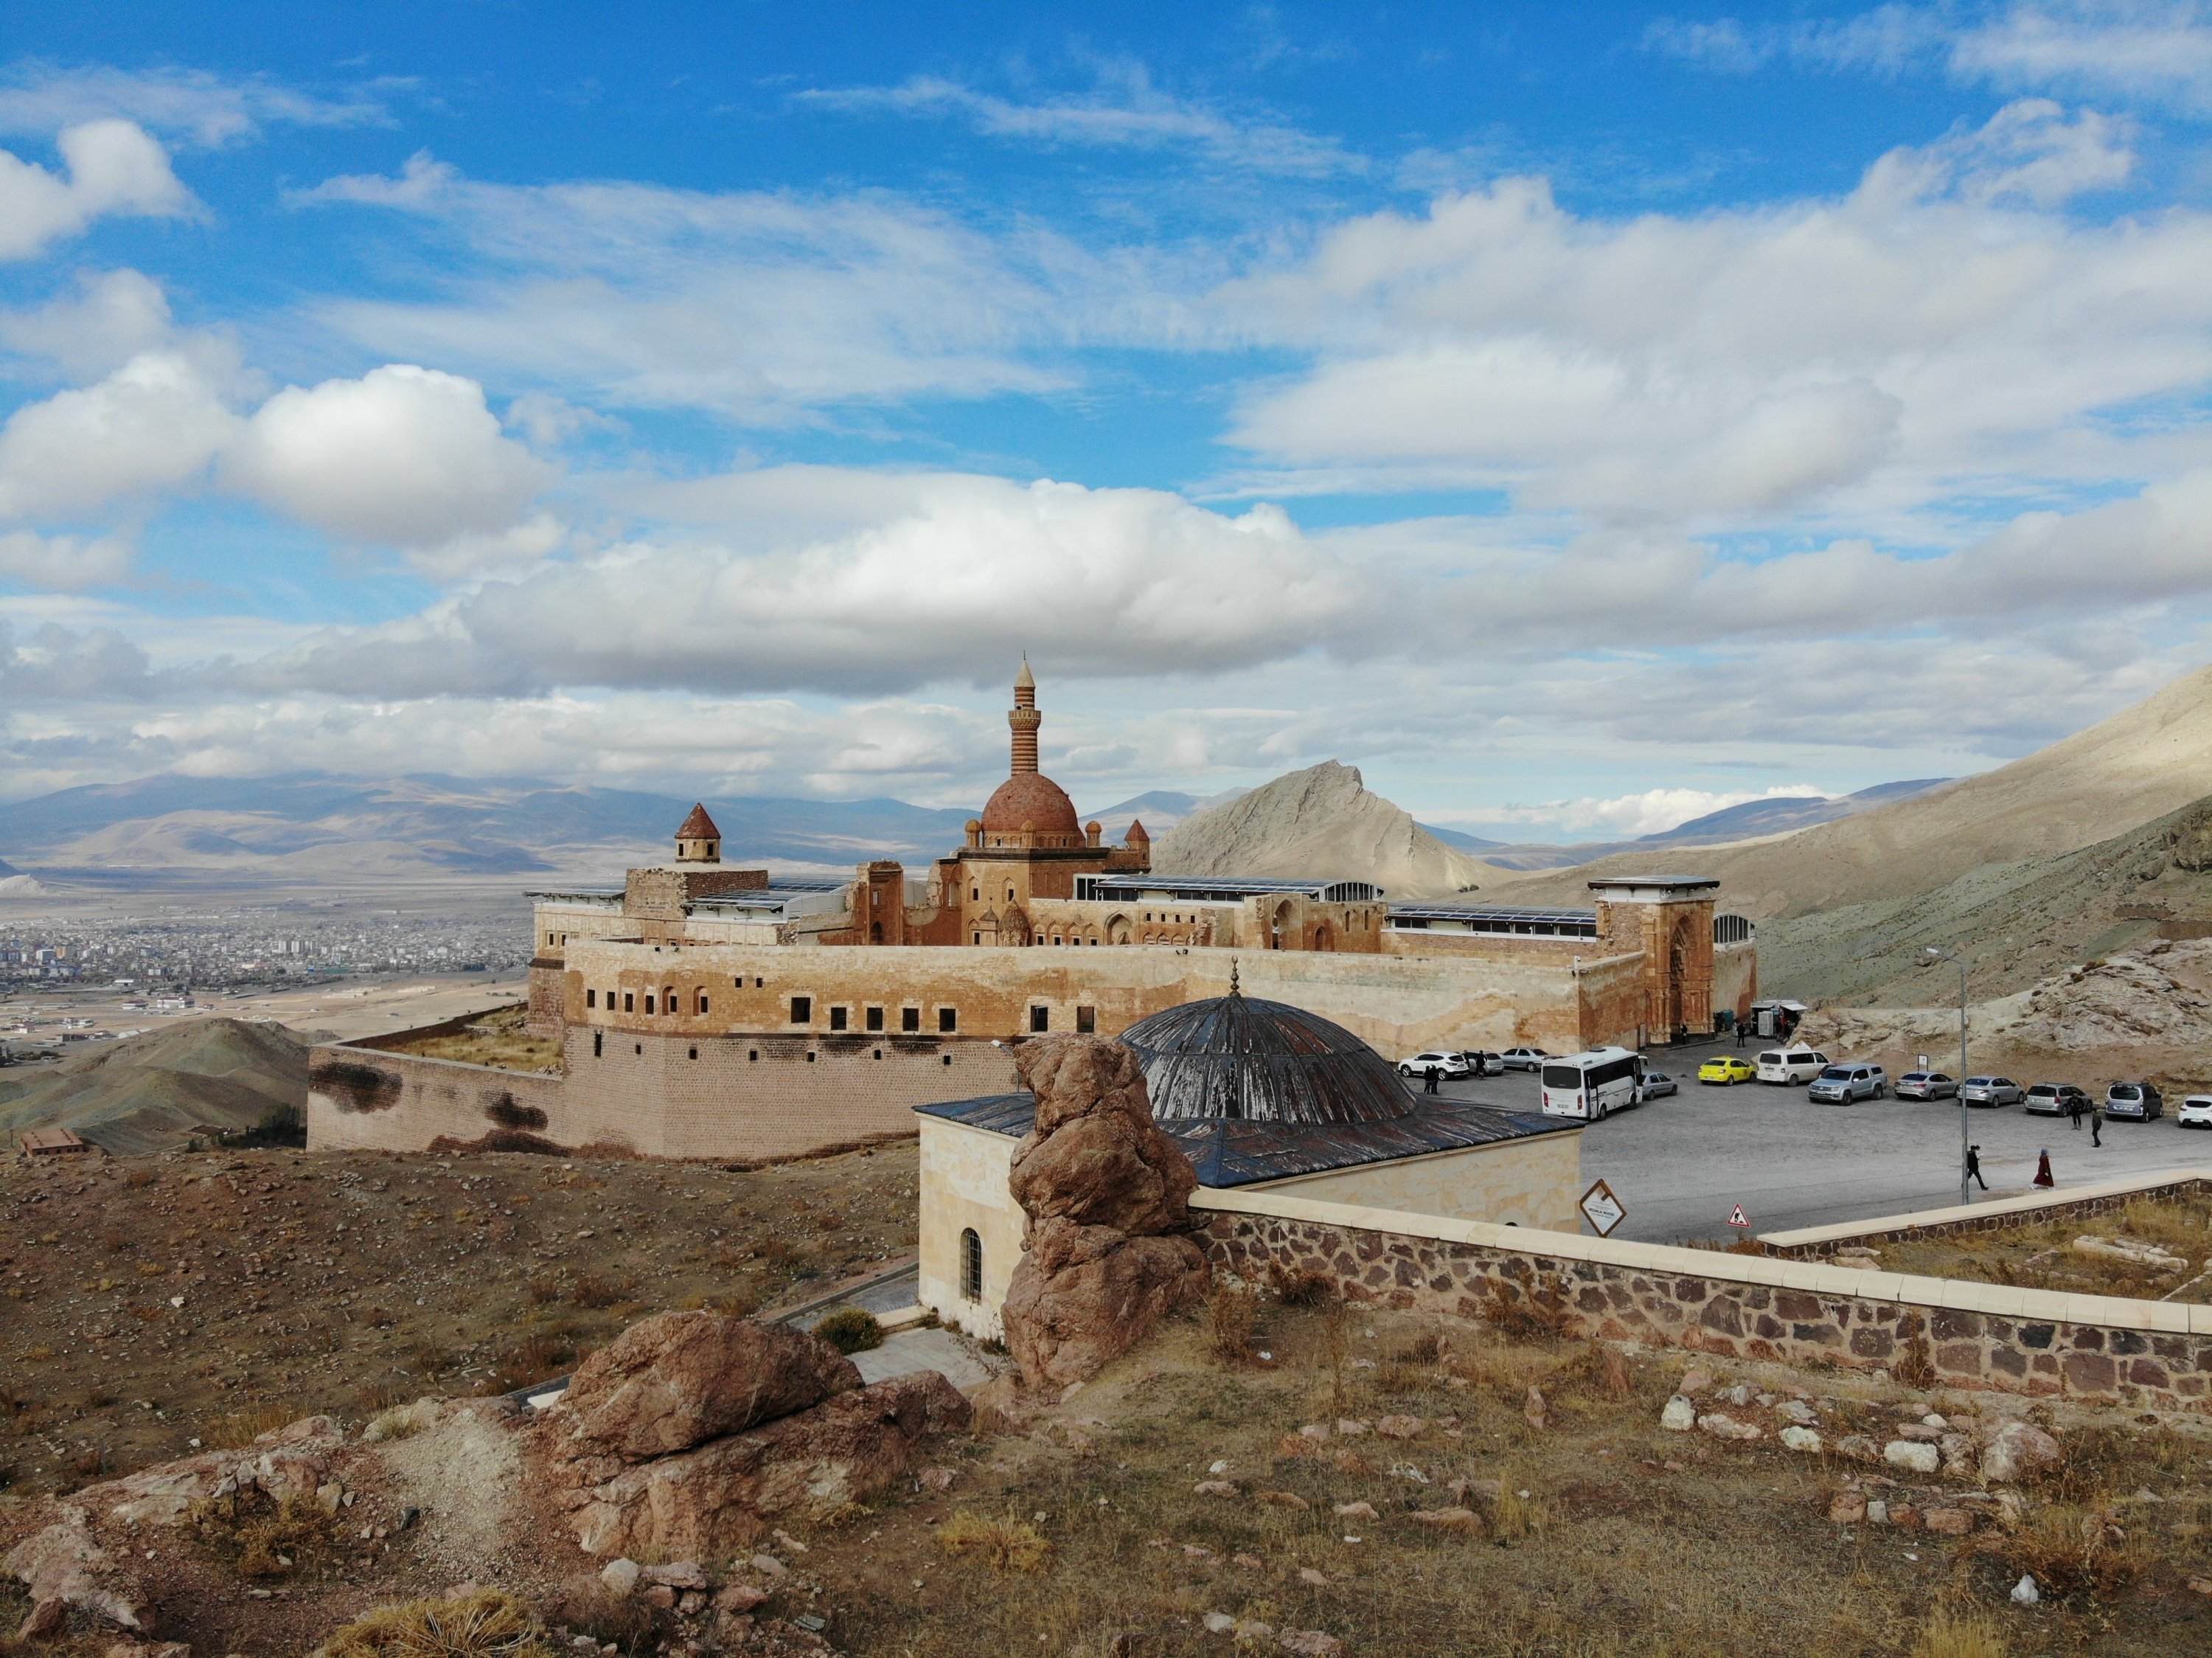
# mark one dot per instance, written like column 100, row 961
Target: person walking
column 1431, row 1085
column 1974, row 1167
column 2042, row 1175
column 2074, row 1110
column 2097, row 1123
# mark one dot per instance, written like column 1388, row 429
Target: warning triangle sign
column 1737, row 1218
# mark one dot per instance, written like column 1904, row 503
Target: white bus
column 1592, row 1086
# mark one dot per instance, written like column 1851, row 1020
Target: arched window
column 971, row 1265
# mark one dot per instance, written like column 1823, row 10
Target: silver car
column 1926, row 1085
column 1991, row 1091
column 1842, row 1085
column 2137, row 1102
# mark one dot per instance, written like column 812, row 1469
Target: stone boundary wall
column 1819, row 1242
column 360, row 1099
column 391, row 1042
column 1966, row 1334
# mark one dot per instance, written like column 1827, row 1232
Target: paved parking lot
column 1679, row 1164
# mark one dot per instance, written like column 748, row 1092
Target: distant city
column 252, row 946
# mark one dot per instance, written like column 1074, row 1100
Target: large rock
column 678, row 1379
column 1107, row 1200
column 2018, row 1450
column 64, row 1569
column 1082, row 1295
column 711, row 1501
column 1094, row 1156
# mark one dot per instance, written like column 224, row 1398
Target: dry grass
column 485, row 1625
column 1960, row 1634
column 2041, row 1256
column 242, row 1427
column 1229, row 1315
column 1003, row 1545
column 2079, row 1552
column 497, row 1040
column 261, row 1539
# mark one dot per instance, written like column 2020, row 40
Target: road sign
column 1602, row 1209
column 1737, row 1218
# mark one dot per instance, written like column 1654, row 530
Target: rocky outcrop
column 690, row 1430
column 667, row 1383
column 1107, row 1196
column 65, row 1570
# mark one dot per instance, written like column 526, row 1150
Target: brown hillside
column 2142, row 763
column 1321, row 822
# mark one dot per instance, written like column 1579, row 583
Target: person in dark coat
column 2074, row 1110
column 1431, row 1086
column 2097, row 1124
column 1974, row 1167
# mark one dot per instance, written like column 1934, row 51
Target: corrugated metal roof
column 1225, row 889
column 1228, row 1153
column 1240, row 1058
column 1508, row 912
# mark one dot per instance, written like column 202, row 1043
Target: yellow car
column 1726, row 1069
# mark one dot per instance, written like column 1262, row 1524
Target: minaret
column 1023, row 719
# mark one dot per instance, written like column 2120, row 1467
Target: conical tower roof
column 699, row 826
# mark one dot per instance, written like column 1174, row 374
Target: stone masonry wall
column 1820, row 1243
column 2010, row 1340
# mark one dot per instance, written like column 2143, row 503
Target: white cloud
column 59, row 664
column 39, row 97
column 1935, row 331
column 154, row 425
column 1126, row 111
column 1648, row 811
column 67, row 564
column 112, row 317
column 404, row 456
column 113, row 166
column 1108, row 582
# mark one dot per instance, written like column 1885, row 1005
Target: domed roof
column 1031, row 797
column 1236, row 1056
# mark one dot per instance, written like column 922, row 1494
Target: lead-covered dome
column 1030, row 798
column 1237, row 1057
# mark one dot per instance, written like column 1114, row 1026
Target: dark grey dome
column 1237, row 1057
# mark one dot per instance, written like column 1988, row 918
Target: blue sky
column 1576, row 419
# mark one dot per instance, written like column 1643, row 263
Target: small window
column 649, row 1001
column 948, row 1020
column 910, row 1020
column 802, row 1010
column 810, row 1056
column 975, row 894
column 598, row 1043
column 978, row 939
column 879, row 1053
column 971, row 1265
column 590, row 998
column 838, row 1018
column 752, row 1056
column 703, row 1001
column 695, row 1053
column 1040, row 1019
column 875, row 1019
column 948, row 1058
column 637, row 1048
column 1087, row 1021
column 630, row 1002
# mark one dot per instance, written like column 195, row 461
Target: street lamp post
column 1941, row 955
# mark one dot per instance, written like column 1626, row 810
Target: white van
column 1791, row 1065
column 1592, row 1086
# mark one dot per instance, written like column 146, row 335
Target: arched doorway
column 1324, row 939
column 1674, row 1013
column 1282, row 926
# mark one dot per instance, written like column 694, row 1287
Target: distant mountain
column 308, row 824
column 1321, row 822
column 1162, row 809
column 1782, row 814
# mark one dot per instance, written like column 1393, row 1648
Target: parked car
column 1798, row 1065
column 2053, row 1100
column 1437, row 1062
column 1482, row 1063
column 1523, row 1058
column 1991, row 1091
column 2196, row 1111
column 2133, row 1102
column 1927, row 1085
column 1726, row 1069
column 1843, row 1085
column 1656, row 1082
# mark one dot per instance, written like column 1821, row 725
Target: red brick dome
column 1032, row 797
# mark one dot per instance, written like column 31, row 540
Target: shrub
column 1005, row 1545
column 1303, row 1286
column 261, row 1537
column 634, row 1625
column 485, row 1625
column 280, row 1125
column 2070, row 1552
column 1916, row 1369
column 851, row 1329
column 1228, row 1316
column 596, row 1289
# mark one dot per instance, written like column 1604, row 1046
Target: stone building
column 713, row 1009
column 1264, row 1097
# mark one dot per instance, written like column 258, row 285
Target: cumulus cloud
column 1648, row 811
column 153, row 424
column 1108, row 582
column 112, row 317
column 405, row 456
column 1934, row 329
column 53, row 664
column 112, row 168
